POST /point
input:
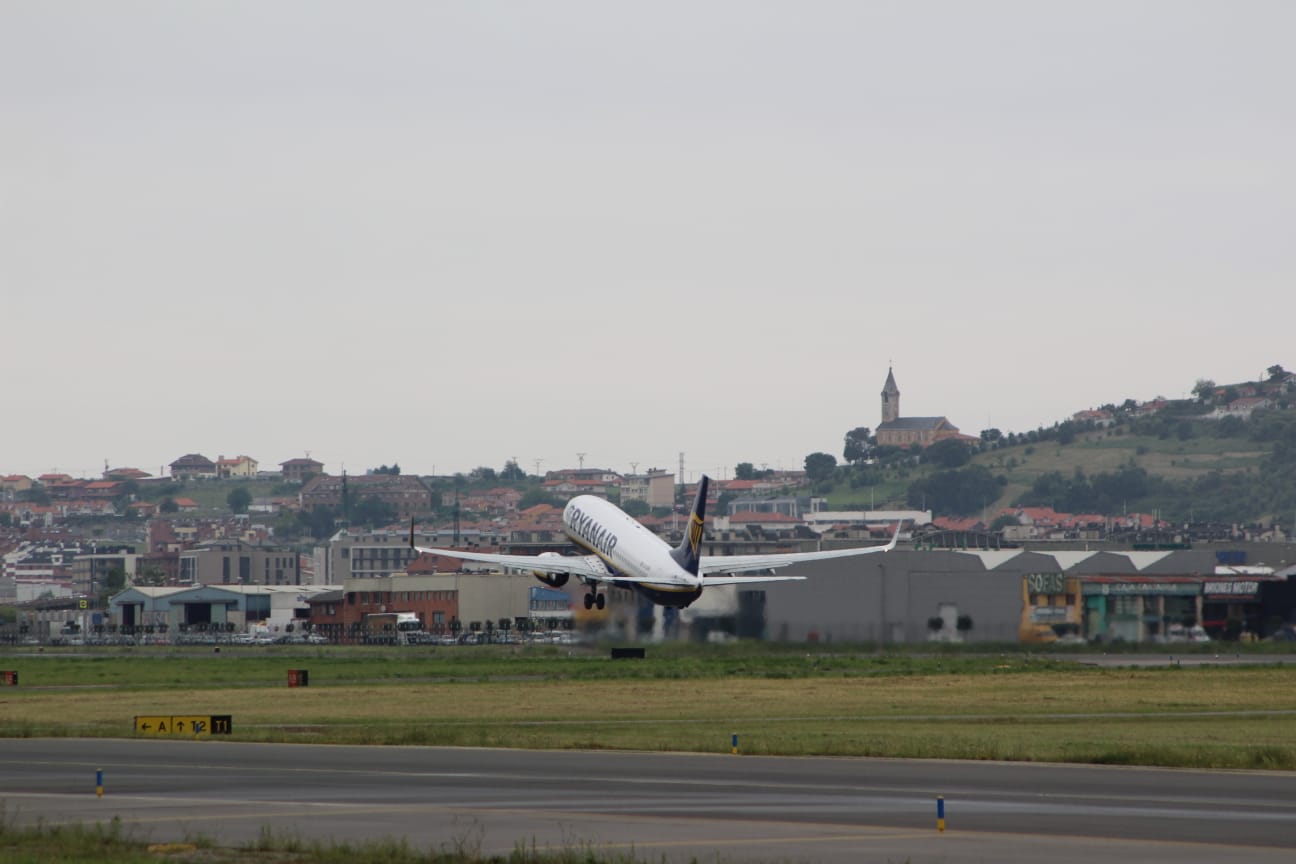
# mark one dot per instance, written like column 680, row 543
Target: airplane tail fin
column 689, row 550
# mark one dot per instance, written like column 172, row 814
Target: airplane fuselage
column 625, row 546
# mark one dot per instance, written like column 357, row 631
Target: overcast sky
column 445, row 234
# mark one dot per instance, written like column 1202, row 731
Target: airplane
column 625, row 554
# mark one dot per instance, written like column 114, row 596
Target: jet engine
column 553, row 580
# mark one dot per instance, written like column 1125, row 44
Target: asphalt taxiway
column 658, row 805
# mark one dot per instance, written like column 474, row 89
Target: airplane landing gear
column 592, row 600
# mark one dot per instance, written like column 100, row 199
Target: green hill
column 1180, row 464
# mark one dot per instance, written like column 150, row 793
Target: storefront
column 1231, row 607
column 1138, row 609
column 1050, row 610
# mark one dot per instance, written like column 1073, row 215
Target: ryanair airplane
column 622, row 552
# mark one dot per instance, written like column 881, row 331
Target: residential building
column 407, row 495
column 124, row 474
column 11, row 485
column 655, row 488
column 301, row 469
column 239, row 466
column 233, row 562
column 193, row 466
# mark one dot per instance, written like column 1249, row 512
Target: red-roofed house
column 65, row 489
column 499, row 500
column 124, row 474
column 101, row 489
column 300, row 470
column 949, row 523
column 1147, row 408
column 1244, row 406
column 565, row 486
column 13, row 484
column 1097, row 416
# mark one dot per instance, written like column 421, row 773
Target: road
column 657, row 805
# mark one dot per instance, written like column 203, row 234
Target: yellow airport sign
column 183, row 724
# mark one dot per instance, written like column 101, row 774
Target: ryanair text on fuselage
column 599, row 538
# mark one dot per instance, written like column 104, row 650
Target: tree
column 962, row 492
column 151, row 575
column 238, row 499
column 744, row 471
column 482, row 474
column 371, row 511
column 532, row 497
column 319, row 521
column 168, row 505
column 636, row 508
column 949, row 453
column 1204, row 389
column 1276, row 372
column 859, row 444
column 394, row 470
column 990, row 436
column 35, row 495
column 512, row 472
column 820, row 466
column 114, row 581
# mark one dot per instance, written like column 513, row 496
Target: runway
column 676, row 806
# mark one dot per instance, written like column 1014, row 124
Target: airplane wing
column 712, row 581
column 587, row 566
column 743, row 563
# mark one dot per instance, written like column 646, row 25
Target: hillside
column 1183, row 464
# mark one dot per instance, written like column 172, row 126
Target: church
column 897, row 431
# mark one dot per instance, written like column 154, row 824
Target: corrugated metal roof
column 1067, row 560
column 992, row 558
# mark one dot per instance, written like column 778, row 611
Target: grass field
column 110, row 843
column 778, row 700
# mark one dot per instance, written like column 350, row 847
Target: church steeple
column 890, row 399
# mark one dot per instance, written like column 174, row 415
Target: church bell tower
column 890, row 399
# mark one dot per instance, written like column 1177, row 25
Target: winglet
column 891, row 544
column 689, row 552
